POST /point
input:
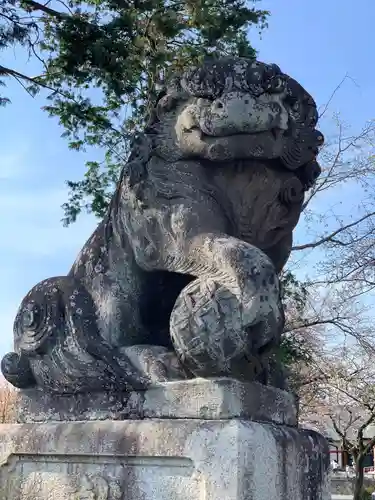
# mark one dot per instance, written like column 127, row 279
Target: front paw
column 155, row 364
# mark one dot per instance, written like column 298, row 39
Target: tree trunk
column 358, row 482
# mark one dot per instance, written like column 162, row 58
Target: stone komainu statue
column 180, row 278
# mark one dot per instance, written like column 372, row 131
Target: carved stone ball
column 212, row 335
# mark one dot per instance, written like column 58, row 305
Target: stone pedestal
column 194, row 458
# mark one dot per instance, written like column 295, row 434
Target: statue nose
column 219, row 105
column 243, row 102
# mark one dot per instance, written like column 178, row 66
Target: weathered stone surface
column 221, row 399
column 195, row 399
column 188, row 256
column 162, row 460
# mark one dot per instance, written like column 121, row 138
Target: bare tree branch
column 331, row 237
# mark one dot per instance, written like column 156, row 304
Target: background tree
column 333, row 258
column 345, row 401
column 297, row 343
column 103, row 63
column 8, row 401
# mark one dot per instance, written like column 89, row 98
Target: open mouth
column 276, row 133
column 260, row 144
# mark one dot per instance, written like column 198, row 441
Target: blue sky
column 315, row 42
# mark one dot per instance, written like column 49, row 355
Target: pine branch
column 33, row 5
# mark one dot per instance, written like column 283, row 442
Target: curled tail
column 58, row 344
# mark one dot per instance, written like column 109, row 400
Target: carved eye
column 167, row 103
column 291, row 192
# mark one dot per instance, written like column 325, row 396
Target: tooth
column 277, row 133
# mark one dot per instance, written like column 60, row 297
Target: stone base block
column 206, row 399
column 161, row 459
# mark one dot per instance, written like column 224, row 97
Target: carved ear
column 166, row 104
column 291, row 192
column 135, row 168
column 152, row 117
column 161, row 94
